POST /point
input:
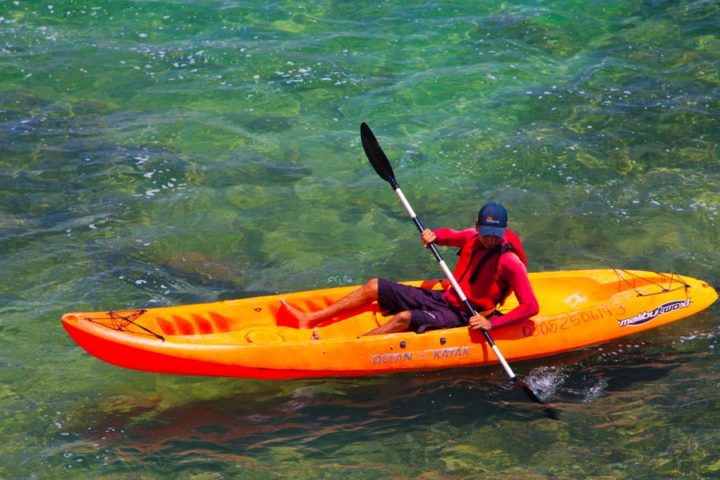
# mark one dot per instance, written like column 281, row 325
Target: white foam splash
column 590, row 394
column 546, row 381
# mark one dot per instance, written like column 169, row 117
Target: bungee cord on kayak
column 672, row 277
column 120, row 322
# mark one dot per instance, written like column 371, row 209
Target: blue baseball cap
column 492, row 220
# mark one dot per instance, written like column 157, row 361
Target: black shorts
column 427, row 308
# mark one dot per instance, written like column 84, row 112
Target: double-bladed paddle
column 381, row 164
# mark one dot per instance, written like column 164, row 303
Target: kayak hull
column 255, row 338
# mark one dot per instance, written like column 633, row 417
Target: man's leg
column 363, row 296
column 398, row 323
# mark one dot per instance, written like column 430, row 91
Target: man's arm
column 449, row 237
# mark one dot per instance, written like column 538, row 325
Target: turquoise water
column 167, row 152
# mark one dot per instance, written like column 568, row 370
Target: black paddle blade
column 375, row 154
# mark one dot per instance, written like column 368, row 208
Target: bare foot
column 303, row 318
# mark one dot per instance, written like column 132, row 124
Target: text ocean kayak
column 252, row 338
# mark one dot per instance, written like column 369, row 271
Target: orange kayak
column 254, row 338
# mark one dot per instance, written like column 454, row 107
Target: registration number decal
column 571, row 320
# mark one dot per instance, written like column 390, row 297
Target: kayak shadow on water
column 572, row 380
column 254, row 414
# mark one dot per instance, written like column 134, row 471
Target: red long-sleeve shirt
column 510, row 271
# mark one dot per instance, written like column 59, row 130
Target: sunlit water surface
column 167, row 152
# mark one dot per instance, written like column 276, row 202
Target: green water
column 167, row 152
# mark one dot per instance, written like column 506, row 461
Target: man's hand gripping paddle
column 381, row 164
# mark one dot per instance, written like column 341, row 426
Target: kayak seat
column 263, row 336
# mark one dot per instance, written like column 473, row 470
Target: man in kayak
column 492, row 264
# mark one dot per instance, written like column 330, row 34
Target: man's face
column 489, row 241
